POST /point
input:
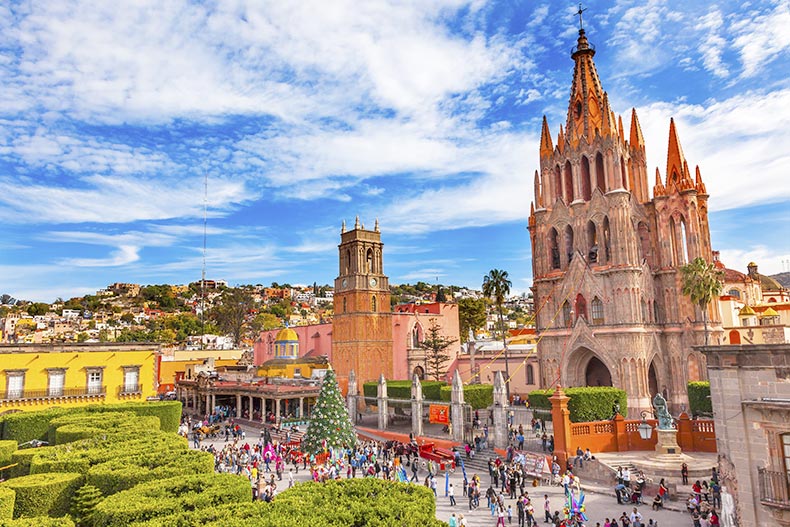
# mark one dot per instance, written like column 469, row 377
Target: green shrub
column 170, row 496
column 699, row 398
column 402, row 389
column 22, row 459
column 587, row 403
column 40, row 521
column 26, row 426
column 123, row 473
column 84, row 502
column 44, row 494
column 369, row 502
column 477, row 395
column 168, row 412
column 7, row 498
column 104, row 421
column 7, row 449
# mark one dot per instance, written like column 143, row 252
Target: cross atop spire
column 579, row 12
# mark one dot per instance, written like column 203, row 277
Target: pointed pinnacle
column 546, row 146
column 637, row 140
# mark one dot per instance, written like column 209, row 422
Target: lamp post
column 644, row 428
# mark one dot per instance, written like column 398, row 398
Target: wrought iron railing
column 129, row 389
column 21, row 395
column 774, row 488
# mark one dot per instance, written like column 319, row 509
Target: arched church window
column 596, row 310
column 369, row 261
column 644, row 242
column 568, row 177
column 656, row 312
column 672, row 243
column 581, row 307
column 592, row 242
column 345, row 304
column 734, row 293
column 373, row 306
column 567, row 314
column 415, row 337
column 530, row 374
column 645, row 317
column 557, row 183
column 586, row 190
column 600, row 175
column 554, row 248
column 569, row 243
column 685, row 255
column 346, row 261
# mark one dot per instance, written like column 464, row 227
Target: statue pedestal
column 667, row 442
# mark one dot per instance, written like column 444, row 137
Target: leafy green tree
column 263, row 322
column 471, row 315
column 329, row 422
column 37, row 308
column 435, row 347
column 83, row 503
column 82, row 336
column 496, row 286
column 231, row 311
column 127, row 317
column 701, row 282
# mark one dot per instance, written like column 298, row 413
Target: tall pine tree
column 329, row 420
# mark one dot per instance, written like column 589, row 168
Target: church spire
column 546, row 147
column 561, row 140
column 658, row 188
column 699, row 184
column 637, row 140
column 586, row 100
column 675, row 158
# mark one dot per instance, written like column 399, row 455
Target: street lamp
column 644, row 428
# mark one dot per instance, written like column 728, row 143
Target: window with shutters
column 15, row 384
column 57, row 382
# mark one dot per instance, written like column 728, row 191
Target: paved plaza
column 599, row 503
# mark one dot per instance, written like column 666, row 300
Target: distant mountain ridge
column 782, row 278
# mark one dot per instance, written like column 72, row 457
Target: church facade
column 607, row 256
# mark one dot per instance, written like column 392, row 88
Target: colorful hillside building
column 606, row 256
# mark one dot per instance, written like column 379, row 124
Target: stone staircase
column 479, row 463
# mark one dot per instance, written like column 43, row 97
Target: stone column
column 213, row 401
column 351, row 398
column 301, row 408
column 382, row 403
column 238, row 406
column 416, row 406
column 194, row 401
column 561, row 420
column 263, row 409
column 208, row 404
column 277, row 411
column 249, row 398
column 500, row 409
column 457, row 408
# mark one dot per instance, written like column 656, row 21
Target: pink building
column 410, row 323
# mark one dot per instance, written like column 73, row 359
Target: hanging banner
column 439, row 413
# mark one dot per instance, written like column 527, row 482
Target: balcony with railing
column 53, row 393
column 130, row 389
column 774, row 488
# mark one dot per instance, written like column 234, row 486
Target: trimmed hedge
column 477, row 395
column 587, row 403
column 22, row 458
column 125, row 472
column 110, row 420
column 44, row 494
column 369, row 502
column 7, row 449
column 170, row 496
column 402, row 389
column 699, row 398
column 7, row 498
column 26, row 426
column 41, row 521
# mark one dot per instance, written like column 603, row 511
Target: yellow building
column 286, row 362
column 36, row 377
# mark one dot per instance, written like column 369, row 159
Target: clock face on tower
column 373, row 282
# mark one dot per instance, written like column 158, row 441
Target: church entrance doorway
column 652, row 380
column 597, row 374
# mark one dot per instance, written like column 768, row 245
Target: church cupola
column 585, row 108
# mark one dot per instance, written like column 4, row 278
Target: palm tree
column 701, row 282
column 496, row 286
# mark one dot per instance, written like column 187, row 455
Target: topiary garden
column 123, row 465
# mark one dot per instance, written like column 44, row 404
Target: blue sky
column 423, row 114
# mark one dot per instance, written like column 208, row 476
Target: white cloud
column 763, row 38
column 768, row 259
column 713, row 44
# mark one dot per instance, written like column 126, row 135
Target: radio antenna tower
column 203, row 272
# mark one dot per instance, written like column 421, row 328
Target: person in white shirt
column 636, row 518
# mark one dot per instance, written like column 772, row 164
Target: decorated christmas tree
column 330, row 425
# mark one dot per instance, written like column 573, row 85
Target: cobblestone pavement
column 599, row 505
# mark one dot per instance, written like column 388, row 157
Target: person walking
column 451, row 494
column 547, row 508
column 684, row 473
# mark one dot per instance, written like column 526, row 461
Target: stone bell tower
column 362, row 323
